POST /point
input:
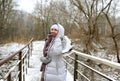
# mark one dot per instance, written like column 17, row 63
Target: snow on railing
column 23, row 54
column 99, row 60
column 93, row 58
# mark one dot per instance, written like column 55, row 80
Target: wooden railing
column 22, row 56
column 76, row 61
column 22, row 63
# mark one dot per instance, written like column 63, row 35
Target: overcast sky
column 26, row 5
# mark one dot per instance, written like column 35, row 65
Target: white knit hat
column 54, row 27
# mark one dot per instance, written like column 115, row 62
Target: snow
column 9, row 48
column 33, row 72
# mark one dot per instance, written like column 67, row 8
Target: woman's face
column 54, row 32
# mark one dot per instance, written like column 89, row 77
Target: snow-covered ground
column 9, row 48
column 34, row 73
column 34, row 69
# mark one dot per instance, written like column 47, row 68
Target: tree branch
column 116, row 35
column 103, row 9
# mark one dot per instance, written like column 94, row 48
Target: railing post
column 9, row 77
column 75, row 67
column 23, row 69
column 30, row 47
column 20, row 66
column 29, row 50
column 66, row 66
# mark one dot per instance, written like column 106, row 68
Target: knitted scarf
column 45, row 50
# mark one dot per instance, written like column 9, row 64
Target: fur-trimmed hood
column 60, row 29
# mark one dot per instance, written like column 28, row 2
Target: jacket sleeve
column 56, row 48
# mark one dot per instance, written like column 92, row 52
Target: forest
column 92, row 24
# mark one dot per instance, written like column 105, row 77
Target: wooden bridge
column 27, row 64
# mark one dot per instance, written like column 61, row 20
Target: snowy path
column 34, row 70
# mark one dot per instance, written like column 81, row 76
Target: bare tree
column 51, row 12
column 5, row 10
column 92, row 11
column 112, row 24
column 43, row 16
column 114, row 36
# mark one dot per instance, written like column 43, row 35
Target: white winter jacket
column 55, row 70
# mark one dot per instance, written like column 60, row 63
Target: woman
column 55, row 70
